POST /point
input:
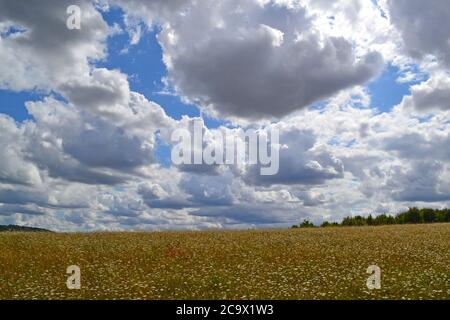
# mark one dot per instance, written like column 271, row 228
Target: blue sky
column 386, row 91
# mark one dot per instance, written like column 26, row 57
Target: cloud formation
column 432, row 94
column 424, row 26
column 257, row 61
column 89, row 156
column 45, row 54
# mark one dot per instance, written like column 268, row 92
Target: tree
column 412, row 215
column 429, row 215
column 380, row 220
column 390, row 219
column 306, row 224
column 440, row 216
column 370, row 220
column 447, row 215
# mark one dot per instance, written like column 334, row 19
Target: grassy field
column 327, row 263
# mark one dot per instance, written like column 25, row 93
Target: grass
column 327, row 263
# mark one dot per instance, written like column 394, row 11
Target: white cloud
column 47, row 54
column 253, row 60
column 430, row 95
column 86, row 161
column 424, row 26
column 14, row 168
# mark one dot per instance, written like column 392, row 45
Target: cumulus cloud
column 53, row 143
column 14, row 168
column 430, row 95
column 10, row 209
column 364, row 23
column 253, row 60
column 46, row 53
column 209, row 190
column 302, row 161
column 257, row 68
column 154, row 196
column 248, row 215
column 420, row 145
column 88, row 157
column 423, row 181
column 424, row 27
column 103, row 92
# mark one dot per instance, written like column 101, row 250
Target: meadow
column 320, row 263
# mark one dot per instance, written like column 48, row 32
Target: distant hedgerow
column 412, row 216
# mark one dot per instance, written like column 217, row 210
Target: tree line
column 411, row 216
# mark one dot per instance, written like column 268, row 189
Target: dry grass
column 277, row 264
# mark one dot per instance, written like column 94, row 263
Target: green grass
column 327, row 263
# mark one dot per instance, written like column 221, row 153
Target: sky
column 359, row 91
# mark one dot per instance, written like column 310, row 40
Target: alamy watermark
column 374, row 280
column 252, row 147
column 74, row 278
column 73, row 21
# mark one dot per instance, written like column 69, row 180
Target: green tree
column 370, row 220
column 447, row 215
column 306, row 224
column 429, row 215
column 380, row 220
column 412, row 215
